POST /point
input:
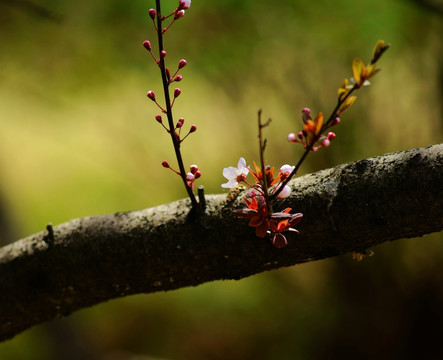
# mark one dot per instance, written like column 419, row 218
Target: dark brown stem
column 175, row 140
column 262, row 146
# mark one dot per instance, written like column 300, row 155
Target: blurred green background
column 78, row 138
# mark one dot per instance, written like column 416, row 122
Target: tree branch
column 86, row 261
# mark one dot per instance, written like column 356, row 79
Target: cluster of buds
column 190, row 176
column 169, row 77
column 193, row 175
column 262, row 218
column 311, row 135
column 175, row 77
column 178, row 13
column 176, row 131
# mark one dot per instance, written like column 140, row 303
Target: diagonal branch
column 90, row 260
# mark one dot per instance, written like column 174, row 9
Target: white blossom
column 234, row 175
column 287, row 169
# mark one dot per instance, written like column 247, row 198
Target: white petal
column 230, row 184
column 287, row 168
column 241, row 163
column 230, row 173
column 285, row 192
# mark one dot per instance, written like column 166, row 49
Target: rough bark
column 351, row 207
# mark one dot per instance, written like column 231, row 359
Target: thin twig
column 175, row 140
column 262, row 146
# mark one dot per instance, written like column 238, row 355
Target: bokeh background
column 78, row 138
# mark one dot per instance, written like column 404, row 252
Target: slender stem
column 165, row 80
column 262, row 146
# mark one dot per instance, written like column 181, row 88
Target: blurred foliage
column 79, row 138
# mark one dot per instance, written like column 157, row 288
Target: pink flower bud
column 182, row 63
column 325, row 143
column 292, row 137
column 198, row 174
column 251, row 193
column 184, row 4
column 177, row 92
column 178, row 78
column 158, row 118
column 152, row 13
column 147, row 45
column 193, row 168
column 336, row 121
column 165, row 164
column 179, row 14
column 193, row 129
column 151, row 95
column 162, row 54
column 300, row 135
column 307, row 111
column 190, row 176
column 180, row 122
column 331, row 136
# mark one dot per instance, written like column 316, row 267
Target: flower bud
column 300, row 135
column 165, row 164
column 251, row 193
column 193, row 129
column 190, row 177
column 152, row 13
column 180, row 122
column 158, row 118
column 177, row 92
column 292, row 137
column 198, row 174
column 184, row 4
column 336, row 121
column 325, row 143
column 162, row 54
column 147, row 45
column 178, row 78
column 151, row 95
column 182, row 63
column 331, row 136
column 193, row 168
column 179, row 14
